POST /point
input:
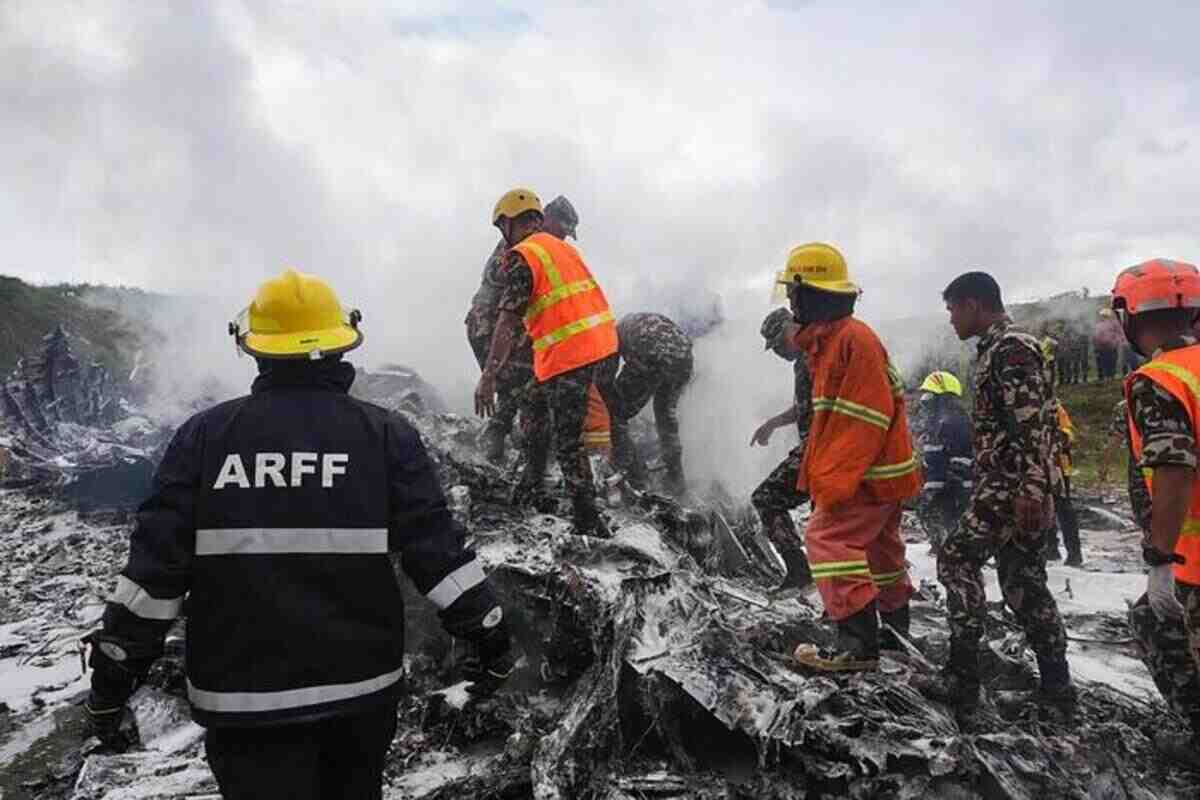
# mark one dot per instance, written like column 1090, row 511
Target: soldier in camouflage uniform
column 1166, row 619
column 776, row 496
column 657, row 362
column 516, row 374
column 1164, row 644
column 1009, row 511
column 556, row 407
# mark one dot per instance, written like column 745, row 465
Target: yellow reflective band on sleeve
column 888, row 471
column 888, row 578
column 556, row 296
column 1191, row 527
column 862, row 413
column 552, row 273
column 896, row 381
column 572, row 329
column 603, row 438
column 840, row 569
column 1183, row 374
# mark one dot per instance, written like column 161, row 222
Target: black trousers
column 340, row 757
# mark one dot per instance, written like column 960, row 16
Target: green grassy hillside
column 28, row 312
column 1091, row 406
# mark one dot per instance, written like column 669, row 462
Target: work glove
column 117, row 665
column 489, row 660
column 1160, row 589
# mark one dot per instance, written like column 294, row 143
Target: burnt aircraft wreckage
column 655, row 664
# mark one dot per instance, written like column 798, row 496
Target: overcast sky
column 201, row 146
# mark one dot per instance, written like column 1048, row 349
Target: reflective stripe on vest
column 1181, row 380
column 290, row 541
column 141, row 604
column 572, row 329
column 568, row 317
column 257, row 702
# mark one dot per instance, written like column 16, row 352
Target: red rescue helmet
column 1154, row 285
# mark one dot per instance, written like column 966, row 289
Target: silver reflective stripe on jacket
column 283, row 541
column 140, row 603
column 454, row 585
column 250, row 702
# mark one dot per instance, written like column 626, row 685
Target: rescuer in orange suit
column 859, row 466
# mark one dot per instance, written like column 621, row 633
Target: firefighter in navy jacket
column 270, row 524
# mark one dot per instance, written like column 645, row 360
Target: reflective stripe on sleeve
column 250, row 702
column 860, row 412
column 886, row 471
column 286, row 541
column 933, row 448
column 572, row 329
column 888, row 578
column 1191, row 527
column 142, row 604
column 457, row 583
column 931, row 485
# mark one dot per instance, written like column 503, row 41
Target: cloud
column 201, row 147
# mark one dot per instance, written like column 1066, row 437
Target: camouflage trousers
column 1021, row 568
column 557, row 409
column 773, row 499
column 626, row 393
column 940, row 515
column 1171, row 656
column 513, row 379
column 778, row 493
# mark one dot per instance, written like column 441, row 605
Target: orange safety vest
column 1067, row 428
column 568, row 319
column 1177, row 371
column 597, row 428
column 859, row 446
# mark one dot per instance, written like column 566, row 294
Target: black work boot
column 1053, row 553
column 900, row 621
column 856, row 648
column 1180, row 748
column 782, row 534
column 957, row 683
column 675, row 483
column 588, row 521
column 1056, row 693
column 1074, row 558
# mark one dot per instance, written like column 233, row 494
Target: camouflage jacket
column 1016, row 420
column 651, row 341
column 485, row 308
column 1139, row 493
column 1166, row 428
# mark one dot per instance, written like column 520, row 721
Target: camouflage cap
column 773, row 325
column 561, row 209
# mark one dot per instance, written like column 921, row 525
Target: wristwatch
column 1157, row 558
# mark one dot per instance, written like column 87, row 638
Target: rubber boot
column 1052, row 551
column 1068, row 523
column 783, row 535
column 855, row 650
column 1180, row 748
column 957, row 683
column 900, row 620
